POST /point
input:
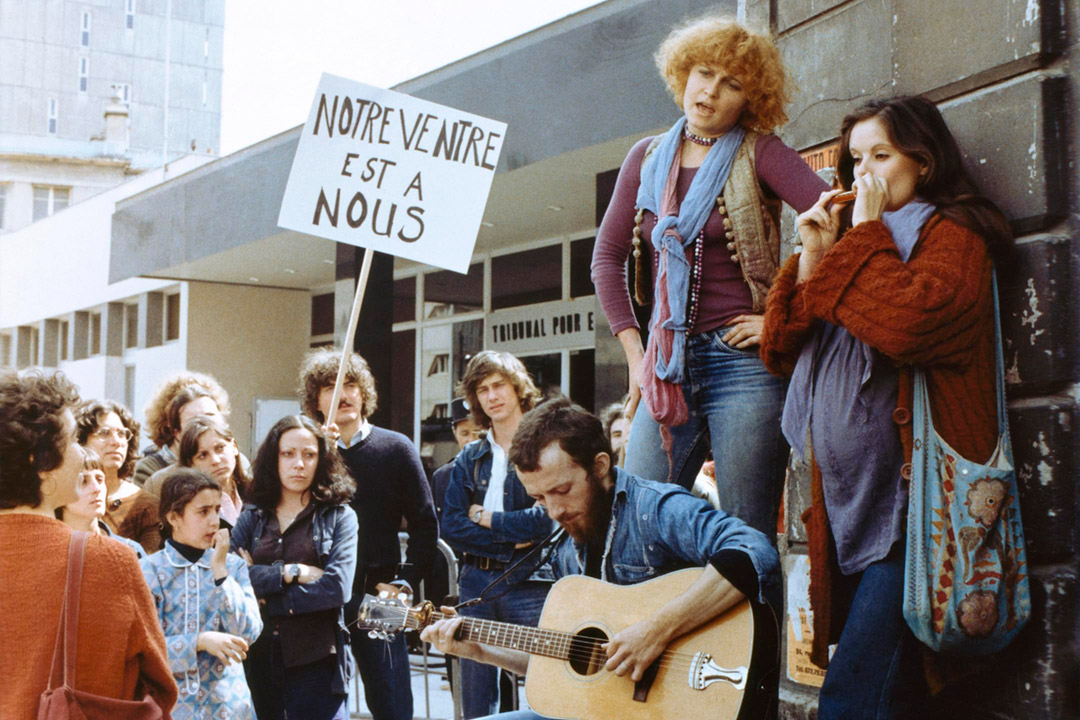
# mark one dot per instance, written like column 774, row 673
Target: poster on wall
column 800, row 620
column 389, row 172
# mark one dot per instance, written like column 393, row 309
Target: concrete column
column 23, row 338
column 112, row 329
column 49, row 338
column 151, row 319
column 80, row 335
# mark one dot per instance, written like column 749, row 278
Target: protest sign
column 393, row 173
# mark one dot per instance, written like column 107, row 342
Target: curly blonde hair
column 161, row 431
column 746, row 54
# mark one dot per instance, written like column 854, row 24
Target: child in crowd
column 204, row 598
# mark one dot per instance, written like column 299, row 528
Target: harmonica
column 844, row 197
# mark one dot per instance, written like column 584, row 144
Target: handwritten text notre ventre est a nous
column 461, row 141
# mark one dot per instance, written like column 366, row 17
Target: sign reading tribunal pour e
column 390, row 172
column 550, row 326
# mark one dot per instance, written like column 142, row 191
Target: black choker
column 697, row 139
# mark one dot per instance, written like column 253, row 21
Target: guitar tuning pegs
column 383, row 594
column 373, row 634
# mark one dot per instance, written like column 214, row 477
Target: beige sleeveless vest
column 751, row 220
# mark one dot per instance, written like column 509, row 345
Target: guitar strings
column 575, row 647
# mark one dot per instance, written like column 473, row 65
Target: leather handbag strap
column 67, row 631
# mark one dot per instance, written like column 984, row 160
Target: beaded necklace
column 697, row 139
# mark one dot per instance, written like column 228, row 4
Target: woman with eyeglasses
column 108, row 429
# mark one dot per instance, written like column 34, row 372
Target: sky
column 275, row 50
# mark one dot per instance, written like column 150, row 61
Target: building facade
column 84, row 88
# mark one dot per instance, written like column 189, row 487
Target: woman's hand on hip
column 745, row 331
column 872, row 198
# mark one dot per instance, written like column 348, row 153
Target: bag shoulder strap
column 68, row 628
column 999, row 352
column 921, row 399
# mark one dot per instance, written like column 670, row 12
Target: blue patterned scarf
column 674, row 232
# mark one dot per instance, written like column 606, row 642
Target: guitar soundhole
column 586, row 655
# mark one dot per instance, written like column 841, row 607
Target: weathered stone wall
column 1004, row 74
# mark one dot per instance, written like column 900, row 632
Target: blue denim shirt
column 335, row 531
column 522, row 521
column 657, row 528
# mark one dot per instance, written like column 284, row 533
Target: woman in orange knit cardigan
column 908, row 283
column 120, row 651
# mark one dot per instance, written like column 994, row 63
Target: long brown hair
column 189, row 448
column 916, row 128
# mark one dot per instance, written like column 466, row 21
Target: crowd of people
column 216, row 586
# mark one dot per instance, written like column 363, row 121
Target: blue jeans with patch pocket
column 734, row 406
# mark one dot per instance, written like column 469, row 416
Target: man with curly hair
column 391, row 485
column 489, row 519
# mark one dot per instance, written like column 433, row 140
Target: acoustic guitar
column 726, row 668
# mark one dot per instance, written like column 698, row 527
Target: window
column 52, row 116
column 206, row 45
column 439, row 364
column 322, row 314
column 129, row 20
column 204, row 92
column 404, row 302
column 35, row 349
column 172, row 317
column 64, row 325
column 449, row 293
column 528, row 277
column 48, row 200
column 5, row 350
column 84, row 74
column 580, row 267
column 124, row 91
column 84, row 32
column 3, row 194
column 131, row 326
column 95, row 333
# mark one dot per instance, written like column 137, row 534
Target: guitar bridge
column 704, row 672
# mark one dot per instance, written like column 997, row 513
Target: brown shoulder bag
column 61, row 701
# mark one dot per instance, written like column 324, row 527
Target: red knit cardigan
column 936, row 311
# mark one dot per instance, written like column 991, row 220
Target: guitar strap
column 549, row 542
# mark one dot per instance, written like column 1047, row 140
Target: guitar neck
column 534, row 641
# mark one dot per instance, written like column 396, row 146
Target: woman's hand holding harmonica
column 818, row 228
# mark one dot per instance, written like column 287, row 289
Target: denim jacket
column 335, row 529
column 657, row 528
column 523, row 521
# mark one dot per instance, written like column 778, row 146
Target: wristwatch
column 477, row 516
column 292, row 573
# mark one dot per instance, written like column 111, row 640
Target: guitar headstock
column 386, row 615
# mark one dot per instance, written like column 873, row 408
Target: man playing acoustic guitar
column 625, row 530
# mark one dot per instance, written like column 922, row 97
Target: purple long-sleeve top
column 724, row 293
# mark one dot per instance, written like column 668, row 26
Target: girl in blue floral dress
column 205, row 602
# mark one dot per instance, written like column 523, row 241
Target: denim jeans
column 384, row 671
column 281, row 693
column 876, row 671
column 735, row 403
column 518, row 603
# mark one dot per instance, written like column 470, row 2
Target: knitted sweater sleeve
column 787, row 321
column 928, row 311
